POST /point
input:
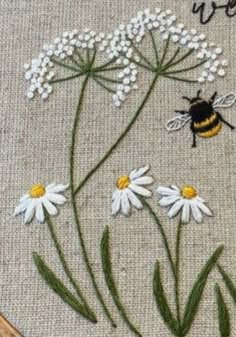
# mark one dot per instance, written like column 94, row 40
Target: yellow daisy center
column 37, row 191
column 188, row 192
column 122, row 182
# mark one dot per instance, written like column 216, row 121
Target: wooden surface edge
column 7, row 329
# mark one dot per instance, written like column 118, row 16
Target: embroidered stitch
column 110, row 281
column 127, row 188
column 77, row 54
column 229, row 10
column 205, row 121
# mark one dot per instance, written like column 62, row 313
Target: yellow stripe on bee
column 206, row 122
column 211, row 133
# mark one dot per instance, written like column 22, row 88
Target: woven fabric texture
column 35, row 140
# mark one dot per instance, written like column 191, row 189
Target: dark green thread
column 164, row 237
column 60, row 289
column 162, row 303
column 144, row 58
column 165, row 51
column 195, row 296
column 65, row 265
column 121, row 137
column 228, row 282
column 107, row 79
column 180, row 79
column 101, row 84
column 177, row 262
column 223, row 313
column 172, row 58
column 64, row 65
column 154, row 47
column 110, row 281
column 186, row 69
column 66, row 78
column 181, row 59
column 75, row 210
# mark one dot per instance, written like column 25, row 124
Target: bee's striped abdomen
column 209, row 127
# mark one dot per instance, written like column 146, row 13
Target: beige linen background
column 35, row 138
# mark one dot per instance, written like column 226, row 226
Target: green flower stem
column 74, row 206
column 185, row 69
column 180, row 59
column 172, row 58
column 142, row 56
column 180, row 79
column 79, row 56
column 165, row 51
column 164, row 237
column 154, row 47
column 66, row 267
column 101, row 84
column 121, row 137
column 61, row 64
column 107, row 79
column 102, row 69
column 66, row 78
column 177, row 256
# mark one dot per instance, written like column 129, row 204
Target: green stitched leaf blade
column 110, row 281
column 228, row 282
column 197, row 291
column 162, row 303
column 56, row 285
column 223, row 314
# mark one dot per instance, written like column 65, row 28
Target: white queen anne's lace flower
column 39, row 200
column 127, row 188
column 185, row 200
column 41, row 70
column 121, row 45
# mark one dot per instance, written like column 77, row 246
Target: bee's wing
column 177, row 123
column 225, row 101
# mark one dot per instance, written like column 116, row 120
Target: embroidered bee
column 206, row 122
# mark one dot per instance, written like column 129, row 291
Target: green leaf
column 110, row 281
column 56, row 285
column 223, row 314
column 162, row 302
column 197, row 291
column 228, row 282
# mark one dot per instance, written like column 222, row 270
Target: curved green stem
column 110, row 281
column 121, row 137
column 66, row 267
column 163, row 234
column 177, row 256
column 74, row 206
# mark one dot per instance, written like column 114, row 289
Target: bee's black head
column 194, row 99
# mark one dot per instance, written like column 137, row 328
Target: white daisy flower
column 185, row 200
column 127, row 188
column 41, row 200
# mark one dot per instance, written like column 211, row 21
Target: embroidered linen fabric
column 35, row 137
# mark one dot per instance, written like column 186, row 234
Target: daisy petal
column 185, row 216
column 51, row 209
column 21, row 207
column 24, row 197
column 203, row 208
column 125, row 205
column 56, row 188
column 133, row 199
column 167, row 191
column 116, row 203
column 138, row 172
column 39, row 212
column 175, row 208
column 56, row 198
column 140, row 190
column 167, row 201
column 197, row 215
column 29, row 214
column 143, row 180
